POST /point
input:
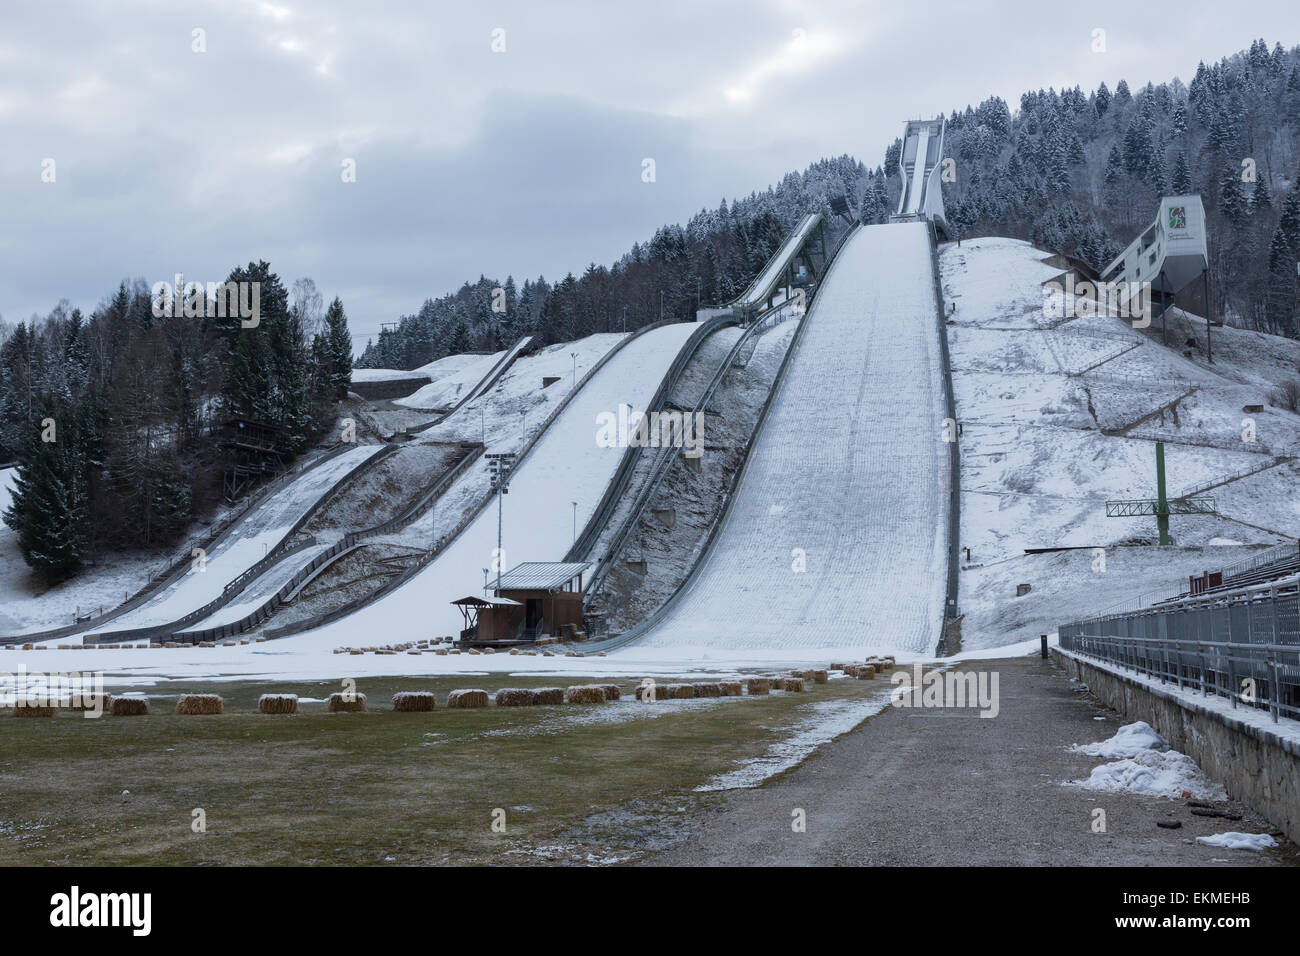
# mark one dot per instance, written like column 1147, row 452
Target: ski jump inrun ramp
column 837, row 532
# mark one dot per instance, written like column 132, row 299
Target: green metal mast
column 1161, row 506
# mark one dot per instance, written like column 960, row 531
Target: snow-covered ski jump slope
column 263, row 529
column 849, row 475
column 565, row 466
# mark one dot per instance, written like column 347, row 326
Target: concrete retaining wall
column 390, row 388
column 1258, row 766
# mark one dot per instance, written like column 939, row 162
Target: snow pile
column 1155, row 774
column 1129, row 741
column 1232, row 840
column 1147, row 767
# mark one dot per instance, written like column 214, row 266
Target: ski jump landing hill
column 836, row 536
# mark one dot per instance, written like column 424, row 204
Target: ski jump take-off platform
column 920, row 163
column 1165, row 258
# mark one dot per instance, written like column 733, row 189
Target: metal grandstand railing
column 1282, row 554
column 1242, row 644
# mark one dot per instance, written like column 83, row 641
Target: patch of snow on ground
column 1232, row 840
column 828, row 719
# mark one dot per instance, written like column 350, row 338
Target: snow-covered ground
column 252, row 539
column 1060, row 414
column 449, row 388
column 836, row 540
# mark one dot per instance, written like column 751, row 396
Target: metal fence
column 1243, row 645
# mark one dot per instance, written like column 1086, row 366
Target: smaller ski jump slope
column 837, row 536
column 258, row 533
column 566, row 465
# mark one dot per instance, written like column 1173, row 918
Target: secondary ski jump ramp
column 554, row 491
column 836, row 537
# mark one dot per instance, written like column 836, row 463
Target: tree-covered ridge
column 1081, row 173
column 110, row 417
column 709, row 260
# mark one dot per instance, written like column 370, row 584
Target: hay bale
column 339, row 704
column 585, row 694
column 516, row 697
column 681, row 691
column 643, row 691
column 33, row 710
column 792, row 684
column 409, row 701
column 820, row 676
column 545, row 696
column 129, row 707
column 865, row 672
column 277, row 704
column 612, row 691
column 100, row 702
column 708, row 689
column 200, row 704
column 731, row 688
column 758, row 685
column 467, row 698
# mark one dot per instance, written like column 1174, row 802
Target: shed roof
column 473, row 601
column 541, row 575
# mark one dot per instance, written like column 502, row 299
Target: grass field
column 379, row 787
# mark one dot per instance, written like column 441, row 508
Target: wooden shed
column 533, row 600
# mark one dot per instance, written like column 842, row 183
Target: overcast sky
column 470, row 161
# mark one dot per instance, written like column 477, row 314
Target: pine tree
column 49, row 507
column 338, row 347
column 1181, row 180
column 1260, row 200
column 1232, row 201
column 1102, row 100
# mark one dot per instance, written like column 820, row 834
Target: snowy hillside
column 1060, row 414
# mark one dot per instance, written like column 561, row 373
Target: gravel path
column 947, row 787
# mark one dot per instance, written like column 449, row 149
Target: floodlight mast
column 500, row 466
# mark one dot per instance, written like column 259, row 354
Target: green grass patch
column 373, row 788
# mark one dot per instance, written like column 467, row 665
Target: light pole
column 500, row 466
column 624, row 320
column 574, row 356
column 575, row 521
column 485, row 587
